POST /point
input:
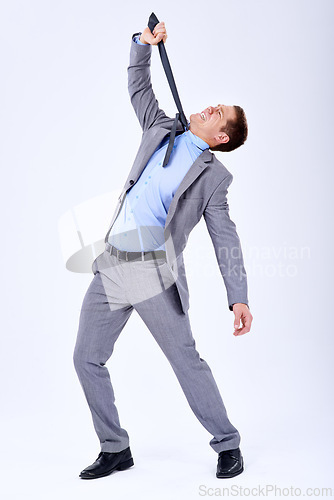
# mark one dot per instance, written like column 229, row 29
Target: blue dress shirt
column 140, row 223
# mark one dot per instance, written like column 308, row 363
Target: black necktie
column 152, row 22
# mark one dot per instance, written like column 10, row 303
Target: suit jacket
column 203, row 190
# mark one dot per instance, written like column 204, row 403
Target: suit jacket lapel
column 195, row 170
column 145, row 153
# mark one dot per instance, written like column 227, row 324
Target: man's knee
column 88, row 363
column 185, row 358
column 82, row 362
column 78, row 360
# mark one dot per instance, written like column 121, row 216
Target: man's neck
column 197, row 135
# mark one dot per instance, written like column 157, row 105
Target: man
column 142, row 266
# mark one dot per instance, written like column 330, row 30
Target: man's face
column 208, row 124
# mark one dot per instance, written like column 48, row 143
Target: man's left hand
column 243, row 314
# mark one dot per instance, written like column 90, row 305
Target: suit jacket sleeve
column 226, row 243
column 140, row 89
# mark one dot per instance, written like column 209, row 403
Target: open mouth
column 203, row 116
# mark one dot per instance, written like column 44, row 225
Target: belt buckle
column 143, row 256
column 117, row 252
column 126, row 256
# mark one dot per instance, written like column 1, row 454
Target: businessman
column 142, row 266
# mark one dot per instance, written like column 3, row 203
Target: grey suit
column 203, row 190
column 157, row 289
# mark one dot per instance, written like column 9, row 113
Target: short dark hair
column 236, row 129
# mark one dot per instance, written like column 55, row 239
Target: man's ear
column 222, row 138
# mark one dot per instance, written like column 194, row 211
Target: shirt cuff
column 231, row 306
column 136, row 39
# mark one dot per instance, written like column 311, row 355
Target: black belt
column 125, row 255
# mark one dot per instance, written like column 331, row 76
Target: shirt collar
column 197, row 140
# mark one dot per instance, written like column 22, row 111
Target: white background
column 64, row 111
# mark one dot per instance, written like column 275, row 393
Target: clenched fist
column 159, row 33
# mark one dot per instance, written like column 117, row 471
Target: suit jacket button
column 131, row 182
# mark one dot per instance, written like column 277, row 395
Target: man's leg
column 171, row 329
column 101, row 322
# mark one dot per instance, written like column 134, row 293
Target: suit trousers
column 118, row 287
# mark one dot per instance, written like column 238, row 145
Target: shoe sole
column 122, row 466
column 226, row 476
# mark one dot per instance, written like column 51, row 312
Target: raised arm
column 140, row 89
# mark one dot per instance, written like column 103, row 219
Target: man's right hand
column 159, row 33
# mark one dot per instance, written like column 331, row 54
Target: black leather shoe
column 230, row 463
column 106, row 463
